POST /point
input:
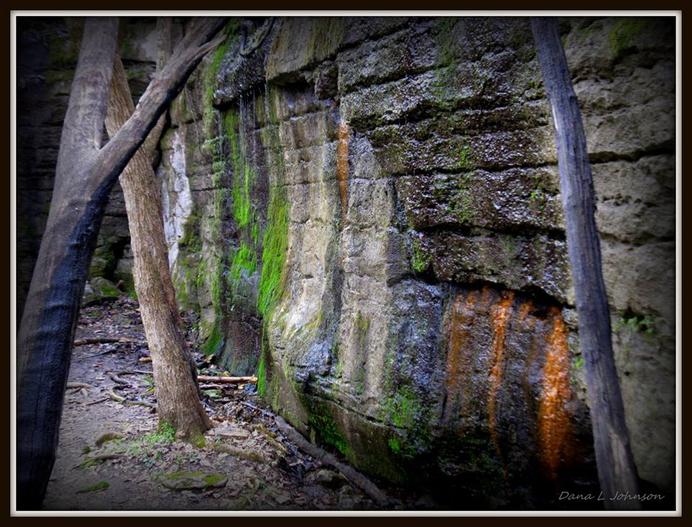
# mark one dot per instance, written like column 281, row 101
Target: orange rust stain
column 486, row 295
column 500, row 318
column 554, row 432
column 524, row 311
column 342, row 166
column 461, row 316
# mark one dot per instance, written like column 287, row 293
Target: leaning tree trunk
column 616, row 470
column 174, row 372
column 85, row 174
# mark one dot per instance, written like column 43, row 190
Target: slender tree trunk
column 616, row 470
column 174, row 372
column 85, row 174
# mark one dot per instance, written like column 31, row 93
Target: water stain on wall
column 553, row 420
column 342, row 167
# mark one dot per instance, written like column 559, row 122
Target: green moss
column 579, row 362
column 213, row 479
column 636, row 323
column 214, row 343
column 211, row 73
column 199, row 441
column 538, row 199
column 362, row 325
column 244, row 259
column 622, row 34
column 462, row 204
column 209, row 480
column 165, row 434
column 274, row 248
column 394, row 444
column 465, row 158
column 325, row 429
column 262, row 376
column 215, row 284
column 243, row 174
column 200, row 279
column 402, row 408
column 420, row 260
column 96, row 487
column 184, row 474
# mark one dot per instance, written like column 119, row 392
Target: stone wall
column 366, row 213
column 374, row 204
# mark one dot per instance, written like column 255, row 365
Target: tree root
column 77, row 385
column 97, row 401
column 108, row 340
column 133, row 402
column 227, row 380
column 257, row 409
column 115, row 375
column 355, row 477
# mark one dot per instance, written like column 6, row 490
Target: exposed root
column 227, row 380
column 77, row 385
column 348, row 471
column 108, row 340
column 125, row 400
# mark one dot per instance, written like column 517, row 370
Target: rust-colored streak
column 553, row 421
column 500, row 317
column 342, row 166
column 524, row 311
column 461, row 316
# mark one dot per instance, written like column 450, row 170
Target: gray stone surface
column 402, row 172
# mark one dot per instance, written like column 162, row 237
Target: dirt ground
column 111, row 456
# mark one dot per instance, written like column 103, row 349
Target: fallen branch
column 108, row 340
column 355, row 477
column 144, row 359
column 226, row 380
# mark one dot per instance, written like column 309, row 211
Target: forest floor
column 111, row 456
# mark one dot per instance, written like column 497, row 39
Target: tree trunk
column 616, row 470
column 85, row 174
column 174, row 371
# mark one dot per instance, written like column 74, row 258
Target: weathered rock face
column 48, row 49
column 375, row 206
column 366, row 212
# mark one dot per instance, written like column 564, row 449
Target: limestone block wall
column 366, row 213
column 383, row 223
